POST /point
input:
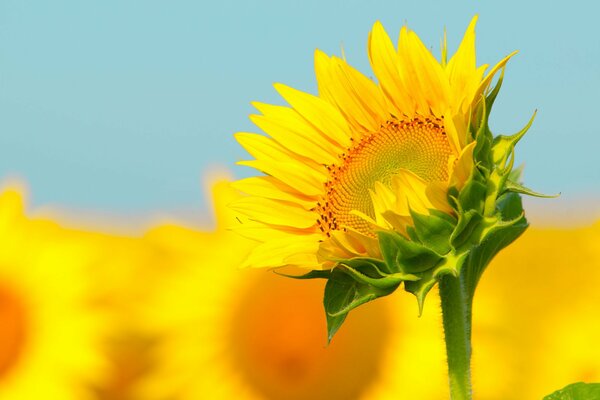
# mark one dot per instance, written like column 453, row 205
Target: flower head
column 394, row 180
column 363, row 154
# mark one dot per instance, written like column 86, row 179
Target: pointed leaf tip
column 515, row 187
column 503, row 145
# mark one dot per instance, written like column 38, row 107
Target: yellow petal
column 304, row 180
column 462, row 168
column 262, row 147
column 326, row 118
column 275, row 212
column 456, row 130
column 462, row 65
column 368, row 244
column 410, row 191
column 291, row 131
column 423, row 75
column 383, row 199
column 488, row 78
column 369, row 94
column 437, row 193
column 261, row 232
column 276, row 253
column 384, row 62
column 350, row 248
column 271, row 188
column 397, row 221
column 339, row 88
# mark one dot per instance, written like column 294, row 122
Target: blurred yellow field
column 169, row 315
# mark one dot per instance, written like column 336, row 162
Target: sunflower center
column 419, row 145
column 12, row 329
column 279, row 343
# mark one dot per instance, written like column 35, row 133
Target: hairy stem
column 456, row 314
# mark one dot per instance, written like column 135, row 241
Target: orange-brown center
column 12, row 329
column 419, row 145
column 278, row 342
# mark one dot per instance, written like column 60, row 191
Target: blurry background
column 119, row 107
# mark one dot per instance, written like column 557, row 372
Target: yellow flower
column 362, row 154
column 126, row 274
column 228, row 333
column 49, row 340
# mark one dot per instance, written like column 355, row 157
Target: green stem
column 456, row 315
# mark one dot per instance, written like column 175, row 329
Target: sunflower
column 49, row 341
column 229, row 333
column 362, row 156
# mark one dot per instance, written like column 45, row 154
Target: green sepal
column 412, row 234
column 512, row 186
column 576, row 391
column 314, row 274
column 342, row 294
column 491, row 97
column 385, row 281
column 503, row 145
column 406, row 256
column 433, row 231
column 468, row 222
column 370, row 266
column 451, row 266
column 510, row 206
column 445, row 216
column 497, row 233
column 472, row 196
column 483, row 145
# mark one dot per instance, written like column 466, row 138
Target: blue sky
column 122, row 106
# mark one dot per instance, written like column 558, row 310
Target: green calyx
column 487, row 216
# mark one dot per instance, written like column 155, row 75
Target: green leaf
column 433, row 231
column 577, row 391
column 343, row 294
column 406, row 256
column 515, row 187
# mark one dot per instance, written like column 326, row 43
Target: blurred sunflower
column 536, row 314
column 49, row 341
column 245, row 334
column 362, row 155
column 126, row 274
